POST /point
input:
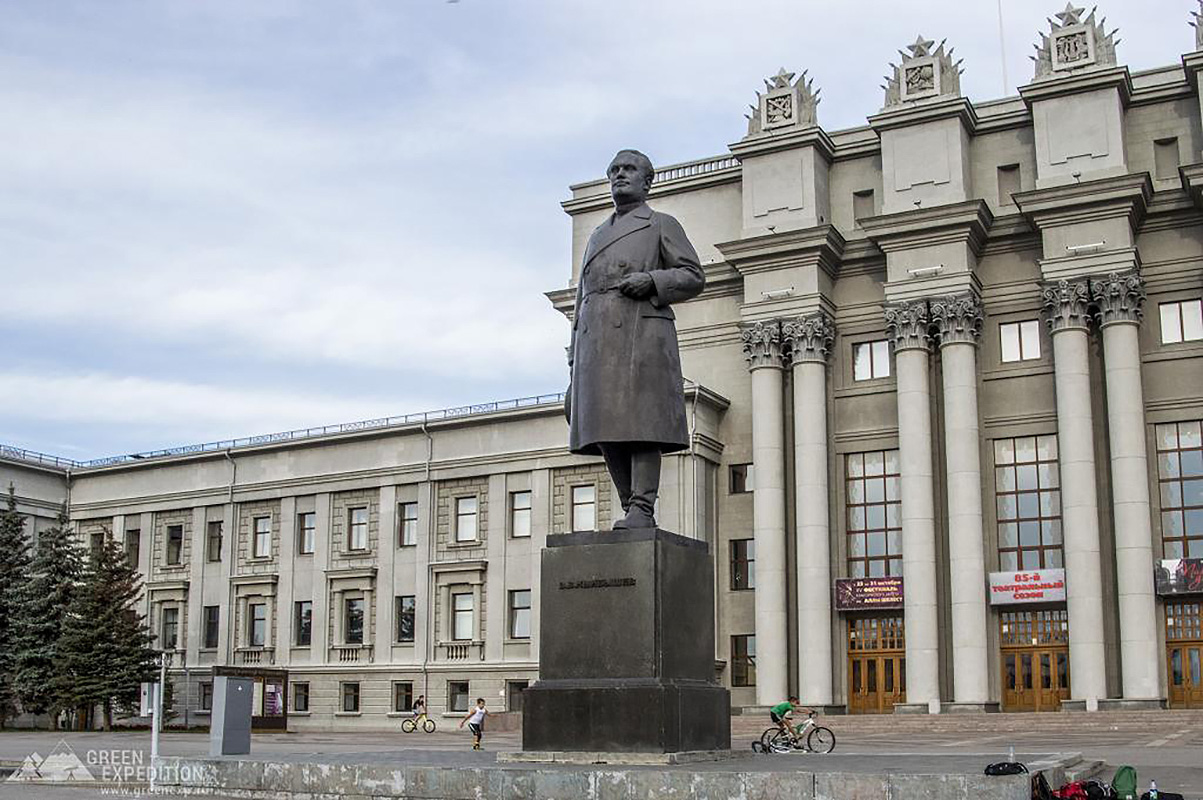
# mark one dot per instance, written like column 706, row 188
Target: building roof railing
column 34, row 457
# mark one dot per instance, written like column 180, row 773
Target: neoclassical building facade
column 945, row 389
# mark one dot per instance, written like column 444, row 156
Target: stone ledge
column 623, row 759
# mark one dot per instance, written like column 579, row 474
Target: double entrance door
column 876, row 664
column 1035, row 660
column 1184, row 653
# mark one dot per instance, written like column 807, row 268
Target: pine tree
column 54, row 579
column 14, row 572
column 104, row 650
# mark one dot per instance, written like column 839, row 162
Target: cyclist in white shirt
column 476, row 722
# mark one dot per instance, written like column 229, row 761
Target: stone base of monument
column 626, row 659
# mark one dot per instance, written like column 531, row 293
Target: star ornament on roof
column 782, row 80
column 921, row 47
column 1072, row 15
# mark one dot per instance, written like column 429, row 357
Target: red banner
column 859, row 594
column 1027, row 586
column 1179, row 576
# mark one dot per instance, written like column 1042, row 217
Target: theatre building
column 945, row 389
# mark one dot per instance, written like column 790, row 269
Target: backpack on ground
column 1006, row 768
column 1040, row 787
column 1095, row 790
column 1075, row 790
column 1123, row 785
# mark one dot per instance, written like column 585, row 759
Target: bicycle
column 808, row 737
column 411, row 724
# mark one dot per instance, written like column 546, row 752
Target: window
column 871, row 360
column 740, row 478
column 520, row 614
column 743, row 560
column 212, row 619
column 1020, row 340
column 262, row 546
column 408, row 535
column 1180, row 475
column 403, row 697
column 743, row 660
column 465, row 519
column 133, row 547
column 584, row 508
column 306, row 533
column 353, row 621
column 303, row 622
column 206, row 695
column 406, row 616
column 350, row 695
column 457, row 695
column 514, row 691
column 461, row 609
column 1028, row 496
column 874, row 514
column 1165, row 159
column 862, row 205
column 300, row 697
column 257, row 632
column 97, row 542
column 175, row 544
column 357, row 523
column 171, row 628
column 1181, row 321
column 1009, row 182
column 519, row 514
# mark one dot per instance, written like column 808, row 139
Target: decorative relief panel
column 1074, row 43
column 958, row 318
column 786, row 103
column 924, row 72
column 1119, row 297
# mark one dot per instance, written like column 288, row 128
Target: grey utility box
column 230, row 720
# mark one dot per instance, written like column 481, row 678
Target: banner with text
column 860, row 594
column 1179, row 576
column 1028, row 586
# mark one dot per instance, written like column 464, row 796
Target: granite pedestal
column 626, row 647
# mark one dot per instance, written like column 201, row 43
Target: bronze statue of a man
column 626, row 400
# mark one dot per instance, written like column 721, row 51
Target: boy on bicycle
column 419, row 707
column 782, row 715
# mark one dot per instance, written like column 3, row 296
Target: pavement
column 1165, row 746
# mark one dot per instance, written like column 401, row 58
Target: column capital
column 1119, row 297
column 958, row 318
column 1065, row 305
column 907, row 325
column 809, row 337
column 761, row 343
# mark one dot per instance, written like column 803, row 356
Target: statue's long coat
column 626, row 368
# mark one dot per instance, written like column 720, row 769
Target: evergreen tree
column 14, row 572
column 104, row 651
column 54, row 578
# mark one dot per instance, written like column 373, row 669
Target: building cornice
column 1114, row 77
column 1191, row 176
column 790, row 139
column 968, row 221
column 821, row 246
column 1106, row 198
column 925, row 111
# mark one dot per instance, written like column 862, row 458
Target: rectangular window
column 1180, row 476
column 175, row 544
column 257, row 631
column 862, row 205
column 206, row 696
column 874, row 504
column 461, row 609
column 171, row 628
column 212, row 621
column 519, row 514
column 1009, row 183
column 306, row 533
column 743, row 660
column 303, row 622
column 97, row 542
column 1027, row 490
column 457, row 696
column 350, row 696
column 300, row 697
column 465, row 519
column 357, row 523
column 133, row 547
column 213, row 541
column 740, row 478
column 262, row 546
column 1181, row 321
column 406, row 617
column 353, row 621
column 1165, row 159
column 743, row 561
column 1020, row 340
column 870, row 360
column 584, row 508
column 520, row 614
column 403, row 697
column 408, row 535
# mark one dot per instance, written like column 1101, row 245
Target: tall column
column 1119, row 298
column 1065, row 303
column 959, row 321
column 762, row 349
column 907, row 325
column 810, row 339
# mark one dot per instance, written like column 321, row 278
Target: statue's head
column 630, row 174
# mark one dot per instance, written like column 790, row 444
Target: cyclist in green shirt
column 782, row 714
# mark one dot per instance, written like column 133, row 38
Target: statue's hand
column 638, row 285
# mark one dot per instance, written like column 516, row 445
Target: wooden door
column 876, row 664
column 1035, row 660
column 1184, row 653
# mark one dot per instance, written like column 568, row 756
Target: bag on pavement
column 1163, row 796
column 1123, row 785
column 1095, row 790
column 1040, row 787
column 1075, row 790
column 1006, row 768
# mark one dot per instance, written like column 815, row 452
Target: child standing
column 476, row 722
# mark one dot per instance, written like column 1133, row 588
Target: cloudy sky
column 227, row 217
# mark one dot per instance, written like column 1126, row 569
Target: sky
column 221, row 218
